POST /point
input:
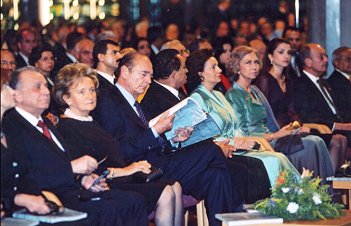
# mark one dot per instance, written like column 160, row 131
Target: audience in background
column 287, row 91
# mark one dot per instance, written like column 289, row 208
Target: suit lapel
column 164, row 93
column 315, row 92
column 37, row 135
column 120, row 100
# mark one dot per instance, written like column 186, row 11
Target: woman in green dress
column 254, row 115
column 204, row 73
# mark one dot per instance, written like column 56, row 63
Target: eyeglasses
column 5, row 62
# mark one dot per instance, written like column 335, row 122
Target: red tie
column 45, row 128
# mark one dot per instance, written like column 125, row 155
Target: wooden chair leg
column 201, row 214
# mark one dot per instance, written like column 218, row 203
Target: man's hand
column 244, row 143
column 342, row 126
column 182, row 134
column 33, row 203
column 84, row 165
column 304, row 130
column 227, row 149
column 88, row 180
column 141, row 166
column 164, row 123
column 285, row 131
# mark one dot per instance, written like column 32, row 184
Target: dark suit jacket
column 157, row 100
column 51, row 169
column 49, row 166
column 290, row 71
column 14, row 179
column 118, row 118
column 342, row 91
column 310, row 103
column 20, row 62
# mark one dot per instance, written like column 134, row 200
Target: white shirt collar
column 126, row 94
column 174, row 91
column 34, row 121
column 106, row 76
column 155, row 49
column 347, row 76
column 311, row 77
column 314, row 80
column 28, row 116
column 71, row 114
column 24, row 57
column 73, row 58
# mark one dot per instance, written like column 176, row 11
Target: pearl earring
column 271, row 61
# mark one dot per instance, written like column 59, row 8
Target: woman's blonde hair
column 236, row 56
column 67, row 76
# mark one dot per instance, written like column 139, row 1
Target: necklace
column 71, row 114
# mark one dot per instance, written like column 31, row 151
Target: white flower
column 292, row 207
column 316, row 199
column 285, row 190
column 300, row 191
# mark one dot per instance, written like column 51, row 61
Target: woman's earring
column 238, row 72
column 271, row 61
column 202, row 78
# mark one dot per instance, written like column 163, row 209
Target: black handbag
column 289, row 144
column 155, row 173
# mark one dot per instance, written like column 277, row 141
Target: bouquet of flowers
column 299, row 199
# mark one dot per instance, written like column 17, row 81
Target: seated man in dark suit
column 201, row 170
column 248, row 174
column 313, row 98
column 49, row 163
column 26, row 40
column 340, row 79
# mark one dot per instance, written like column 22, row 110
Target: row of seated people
column 51, row 164
column 203, row 163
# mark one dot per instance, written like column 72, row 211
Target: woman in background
column 278, row 89
column 254, row 114
column 222, row 48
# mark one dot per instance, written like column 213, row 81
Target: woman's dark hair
column 271, row 46
column 137, row 41
column 35, row 55
column 218, row 45
column 195, row 63
column 218, row 49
